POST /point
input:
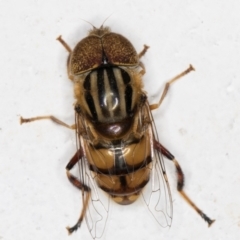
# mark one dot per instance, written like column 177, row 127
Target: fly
column 118, row 151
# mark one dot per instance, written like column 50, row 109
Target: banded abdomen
column 122, row 170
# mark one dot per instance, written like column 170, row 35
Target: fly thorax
column 108, row 96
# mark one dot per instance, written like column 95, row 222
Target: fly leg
column 86, row 191
column 77, row 157
column 52, row 118
column 180, row 181
column 167, row 85
column 145, row 48
column 66, row 46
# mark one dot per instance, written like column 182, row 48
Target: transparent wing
column 97, row 209
column 157, row 194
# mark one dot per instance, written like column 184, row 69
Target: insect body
column 118, row 148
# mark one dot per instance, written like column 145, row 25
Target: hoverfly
column 117, row 144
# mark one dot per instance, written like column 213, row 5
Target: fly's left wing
column 157, row 194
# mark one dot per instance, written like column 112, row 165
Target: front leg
column 167, row 85
column 52, row 118
column 145, row 48
column 180, row 181
column 66, row 46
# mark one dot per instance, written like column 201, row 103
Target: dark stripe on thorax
column 112, row 81
column 128, row 99
column 125, row 76
column 91, row 105
column 89, row 98
column 114, row 89
column 87, row 82
column 101, row 92
column 128, row 91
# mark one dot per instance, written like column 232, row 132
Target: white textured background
column 199, row 121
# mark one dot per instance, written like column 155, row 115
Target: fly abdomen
column 121, row 170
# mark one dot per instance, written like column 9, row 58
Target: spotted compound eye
column 102, row 47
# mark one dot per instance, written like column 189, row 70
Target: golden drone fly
column 117, row 144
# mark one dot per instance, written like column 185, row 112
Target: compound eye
column 118, row 50
column 86, row 55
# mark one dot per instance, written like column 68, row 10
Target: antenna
column 106, row 20
column 88, row 23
